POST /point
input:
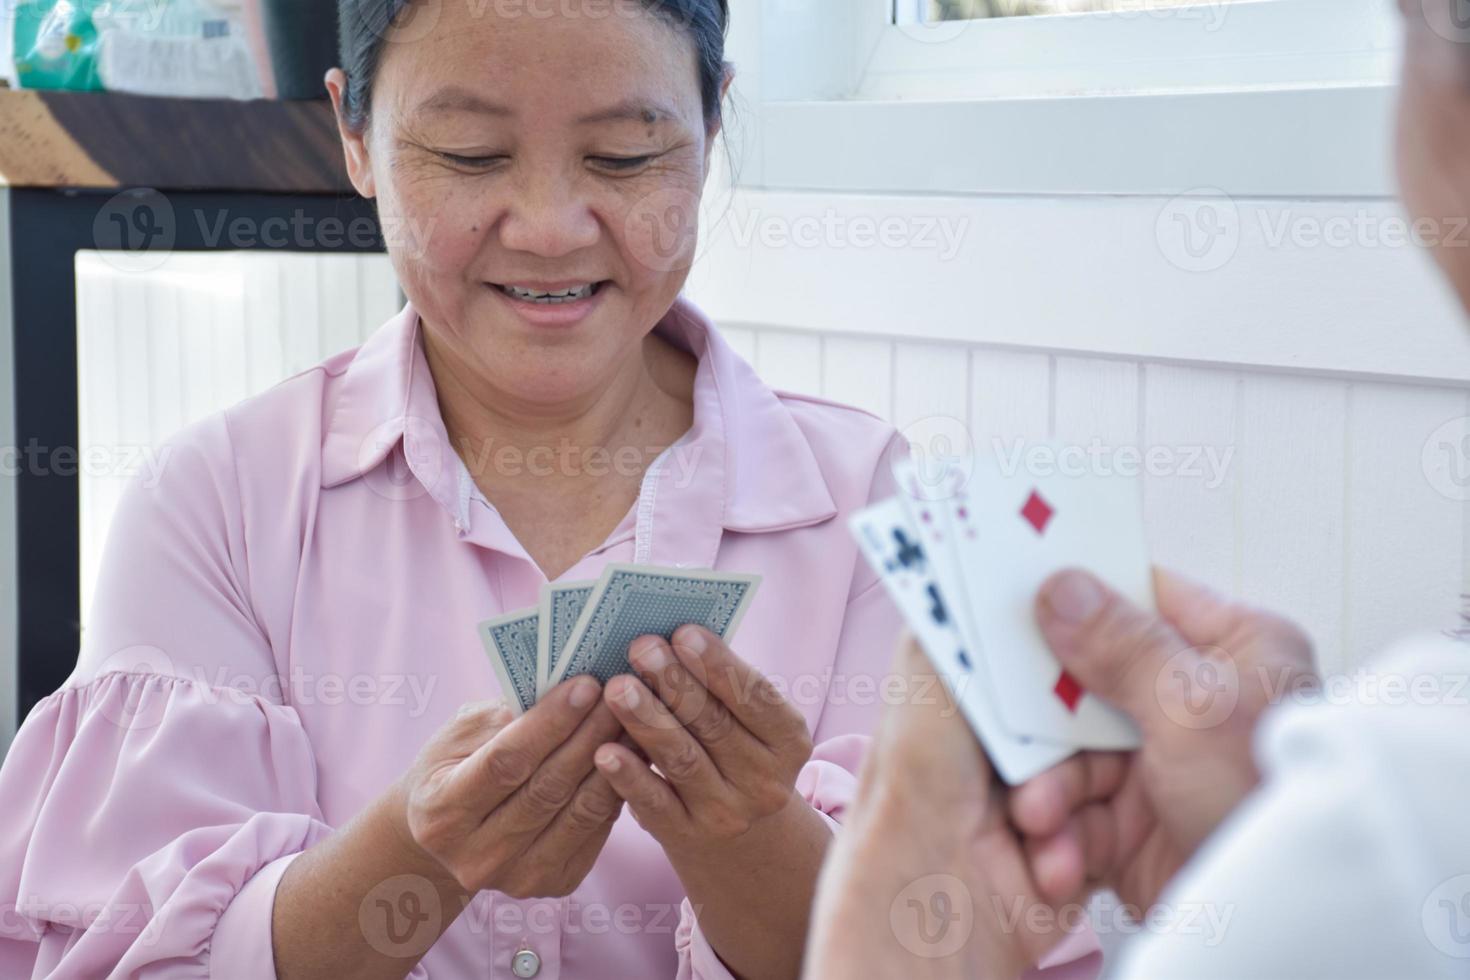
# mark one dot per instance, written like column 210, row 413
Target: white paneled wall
column 1307, row 494
column 159, row 349
column 1317, row 494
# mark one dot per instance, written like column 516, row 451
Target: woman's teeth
column 560, row 296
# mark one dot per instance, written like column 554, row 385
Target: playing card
column 561, row 605
column 630, row 601
column 1015, row 530
column 894, row 549
column 510, row 642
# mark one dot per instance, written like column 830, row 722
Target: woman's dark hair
column 363, row 27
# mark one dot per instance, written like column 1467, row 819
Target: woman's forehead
column 501, row 60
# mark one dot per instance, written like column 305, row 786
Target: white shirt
column 1353, row 858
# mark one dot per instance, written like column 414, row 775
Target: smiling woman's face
column 545, row 152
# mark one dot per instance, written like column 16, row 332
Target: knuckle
column 683, row 764
column 715, row 724
column 591, row 809
column 549, row 789
column 507, row 766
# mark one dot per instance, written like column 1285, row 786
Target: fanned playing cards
column 586, row 627
column 963, row 550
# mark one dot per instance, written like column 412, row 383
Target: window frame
column 846, row 99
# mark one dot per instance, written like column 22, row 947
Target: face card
column 510, row 642
column 1019, row 529
column 630, row 601
column 561, row 605
column 892, row 546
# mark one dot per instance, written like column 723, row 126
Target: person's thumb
column 1112, row 648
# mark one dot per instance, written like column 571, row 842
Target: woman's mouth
column 552, row 304
column 549, row 297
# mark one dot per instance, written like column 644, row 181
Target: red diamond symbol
column 1037, row 512
column 1069, row 691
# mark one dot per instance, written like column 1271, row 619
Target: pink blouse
column 288, row 615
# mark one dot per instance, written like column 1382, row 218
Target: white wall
column 161, row 348
column 1306, row 341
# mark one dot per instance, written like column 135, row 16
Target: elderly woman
column 1317, row 840
column 264, row 764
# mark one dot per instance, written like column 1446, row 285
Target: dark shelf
column 107, row 140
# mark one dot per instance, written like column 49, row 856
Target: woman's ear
column 354, row 144
column 714, row 131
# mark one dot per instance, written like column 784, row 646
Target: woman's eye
column 470, row 162
column 621, row 163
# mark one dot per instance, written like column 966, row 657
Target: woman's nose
column 549, row 217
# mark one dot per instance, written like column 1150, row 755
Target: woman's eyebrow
column 457, row 98
column 631, row 110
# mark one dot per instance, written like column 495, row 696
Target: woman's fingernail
column 500, row 714
column 694, row 641
column 608, row 759
column 630, row 695
column 1074, row 597
column 584, row 692
column 652, row 655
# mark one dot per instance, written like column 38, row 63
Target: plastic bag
column 147, row 47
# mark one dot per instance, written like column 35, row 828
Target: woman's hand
column 1196, row 678
column 927, row 880
column 722, row 803
column 727, row 745
column 516, row 805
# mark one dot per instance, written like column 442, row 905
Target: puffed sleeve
column 871, row 628
column 153, row 803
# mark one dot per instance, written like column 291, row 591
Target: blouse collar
column 745, row 465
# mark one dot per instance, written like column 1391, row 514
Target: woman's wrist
column 392, row 814
column 794, row 826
